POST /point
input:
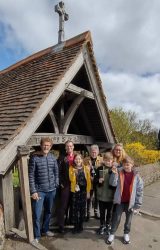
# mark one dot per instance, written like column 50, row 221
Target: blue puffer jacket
column 43, row 173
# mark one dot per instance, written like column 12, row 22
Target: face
column 128, row 166
column 94, row 153
column 108, row 162
column 117, row 151
column 69, row 148
column 78, row 160
column 45, row 147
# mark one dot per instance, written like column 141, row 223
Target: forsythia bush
column 141, row 155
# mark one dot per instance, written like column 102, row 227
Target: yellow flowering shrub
column 141, row 155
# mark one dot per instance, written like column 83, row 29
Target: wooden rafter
column 54, row 122
column 70, row 113
column 60, row 138
column 96, row 90
column 77, row 90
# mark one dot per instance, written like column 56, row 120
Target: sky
column 126, row 40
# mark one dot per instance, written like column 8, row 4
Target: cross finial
column 63, row 16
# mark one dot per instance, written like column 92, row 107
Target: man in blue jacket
column 43, row 181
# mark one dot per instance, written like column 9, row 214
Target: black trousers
column 79, row 206
column 105, row 216
column 118, row 210
column 63, row 205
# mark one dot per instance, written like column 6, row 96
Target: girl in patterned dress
column 79, row 175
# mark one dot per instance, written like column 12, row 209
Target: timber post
column 7, row 199
column 23, row 153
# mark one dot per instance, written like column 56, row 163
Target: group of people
column 107, row 181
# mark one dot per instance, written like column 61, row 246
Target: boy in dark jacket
column 127, row 198
column 105, row 193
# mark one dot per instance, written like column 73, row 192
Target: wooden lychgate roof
column 30, row 88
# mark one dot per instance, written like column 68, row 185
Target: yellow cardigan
column 72, row 177
column 98, row 163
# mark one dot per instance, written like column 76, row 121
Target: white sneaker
column 35, row 242
column 110, row 239
column 48, row 234
column 126, row 238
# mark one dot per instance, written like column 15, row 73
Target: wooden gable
column 57, row 92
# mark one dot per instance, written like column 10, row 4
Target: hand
column 35, row 196
column 115, row 164
column 136, row 211
column 75, row 171
column 88, row 196
column 62, row 186
column 92, row 178
column 90, row 163
column 101, row 180
column 114, row 170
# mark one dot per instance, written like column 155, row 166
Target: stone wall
column 149, row 173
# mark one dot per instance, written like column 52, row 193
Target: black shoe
column 101, row 230
column 61, row 230
column 66, row 222
column 80, row 228
column 87, row 218
column 96, row 216
column 107, row 230
column 75, row 230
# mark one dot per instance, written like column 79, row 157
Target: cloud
column 126, row 33
column 32, row 22
column 133, row 92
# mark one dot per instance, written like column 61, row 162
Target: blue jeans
column 118, row 210
column 46, row 200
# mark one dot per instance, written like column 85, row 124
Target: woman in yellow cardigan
column 80, row 179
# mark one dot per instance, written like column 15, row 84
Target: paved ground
column 151, row 199
column 145, row 233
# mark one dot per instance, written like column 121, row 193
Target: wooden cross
column 63, row 16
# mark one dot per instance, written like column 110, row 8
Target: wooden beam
column 101, row 104
column 70, row 113
column 23, row 153
column 54, row 122
column 61, row 112
column 77, row 90
column 60, row 139
column 7, row 198
column 8, row 154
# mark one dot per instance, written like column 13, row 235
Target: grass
column 15, row 175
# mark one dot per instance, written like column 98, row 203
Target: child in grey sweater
column 127, row 197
